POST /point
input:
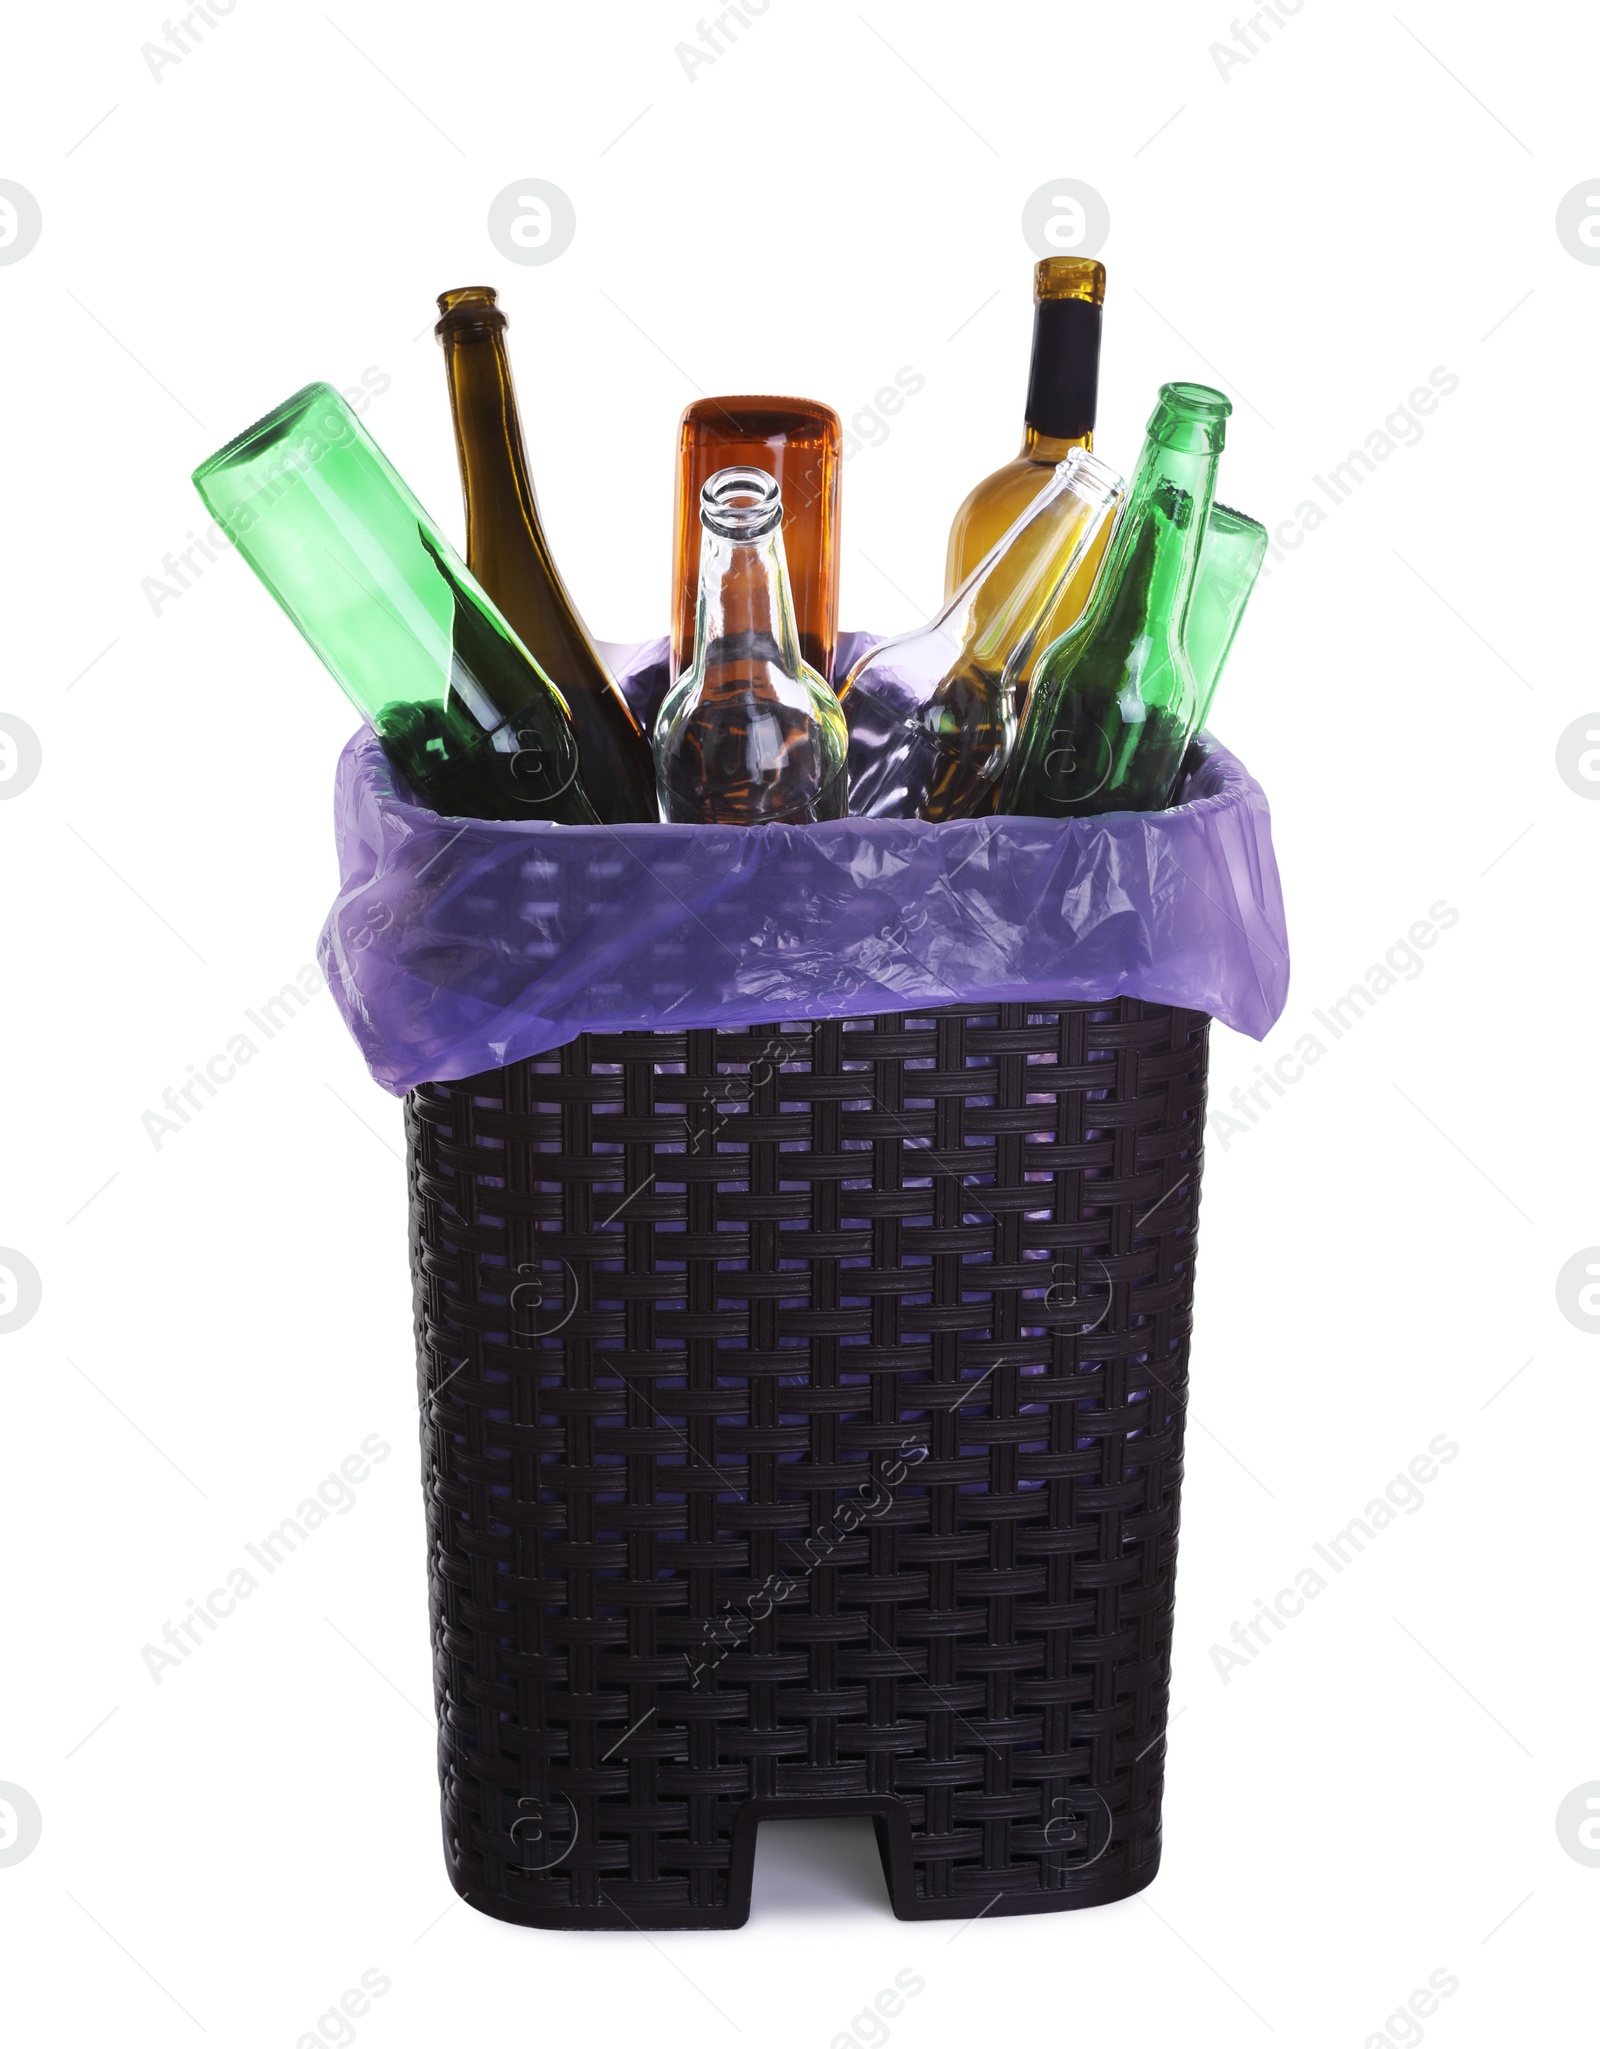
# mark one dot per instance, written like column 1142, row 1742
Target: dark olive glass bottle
column 508, row 553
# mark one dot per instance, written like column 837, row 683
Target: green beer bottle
column 465, row 713
column 1114, row 702
column 1231, row 555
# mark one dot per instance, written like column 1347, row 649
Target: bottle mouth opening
column 468, row 313
column 1190, row 417
column 1200, row 398
column 741, row 504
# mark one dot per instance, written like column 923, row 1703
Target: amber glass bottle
column 1063, row 385
column 797, row 442
column 509, row 555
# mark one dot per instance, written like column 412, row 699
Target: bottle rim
column 1190, row 418
column 469, row 313
column 1090, row 477
column 1198, row 398
column 741, row 504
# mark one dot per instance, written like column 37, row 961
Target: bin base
column 646, row 1907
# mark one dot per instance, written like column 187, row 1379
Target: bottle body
column 798, row 443
column 319, row 513
column 1231, row 554
column 508, row 554
column 749, row 734
column 933, row 713
column 1063, row 395
column 1114, row 702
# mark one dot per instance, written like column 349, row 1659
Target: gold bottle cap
column 1070, row 277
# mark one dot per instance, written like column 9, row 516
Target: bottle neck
column 999, row 613
column 1064, row 375
column 744, row 610
column 1052, row 448
column 502, row 511
column 1156, row 549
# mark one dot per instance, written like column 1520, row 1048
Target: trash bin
column 802, row 1395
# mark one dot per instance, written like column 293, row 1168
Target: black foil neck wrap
column 1064, row 380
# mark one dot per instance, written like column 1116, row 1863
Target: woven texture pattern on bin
column 802, row 1423
column 456, row 945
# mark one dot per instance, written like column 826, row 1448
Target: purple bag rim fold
column 456, row 946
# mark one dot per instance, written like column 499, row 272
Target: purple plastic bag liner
column 458, row 945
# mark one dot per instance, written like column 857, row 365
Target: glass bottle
column 933, row 714
column 508, row 553
column 468, row 717
column 749, row 734
column 1063, row 389
column 1114, row 702
column 798, row 442
column 1231, row 555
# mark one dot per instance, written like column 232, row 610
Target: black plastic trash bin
column 802, row 1433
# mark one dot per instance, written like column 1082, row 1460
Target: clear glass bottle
column 1114, row 702
column 463, row 710
column 1059, row 416
column 933, row 713
column 749, row 734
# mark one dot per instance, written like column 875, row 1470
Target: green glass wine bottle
column 463, row 710
column 1114, row 702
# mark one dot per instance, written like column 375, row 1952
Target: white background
column 227, row 1316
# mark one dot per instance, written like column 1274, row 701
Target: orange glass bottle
column 1063, row 387
column 798, row 442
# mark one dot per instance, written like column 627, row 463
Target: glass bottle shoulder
column 799, row 688
column 989, row 510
